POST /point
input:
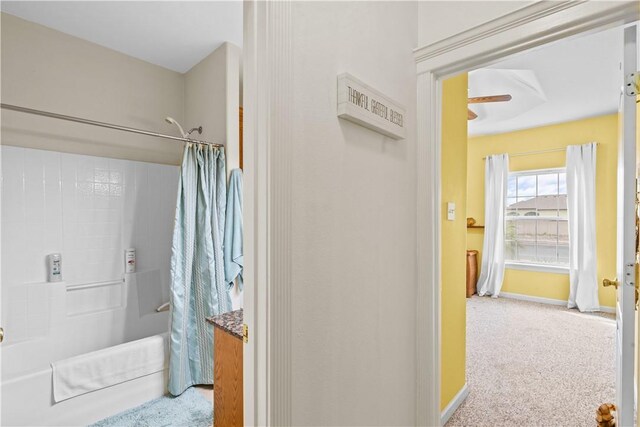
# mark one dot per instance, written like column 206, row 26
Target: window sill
column 537, row 267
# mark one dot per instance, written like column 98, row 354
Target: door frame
column 526, row 28
column 626, row 248
column 268, row 160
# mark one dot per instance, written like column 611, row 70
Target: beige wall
column 212, row 100
column 354, row 223
column 353, row 220
column 442, row 19
column 216, row 78
column 48, row 70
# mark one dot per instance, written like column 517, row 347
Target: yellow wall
column 601, row 129
column 454, row 237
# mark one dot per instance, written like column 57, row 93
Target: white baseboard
column 548, row 301
column 454, row 404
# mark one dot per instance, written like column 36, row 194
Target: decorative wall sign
column 361, row 104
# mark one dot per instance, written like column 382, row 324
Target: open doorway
column 525, row 349
column 120, row 166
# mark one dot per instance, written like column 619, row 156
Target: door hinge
column 630, row 273
column 245, row 332
column 632, row 84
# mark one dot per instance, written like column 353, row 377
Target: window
column 536, row 228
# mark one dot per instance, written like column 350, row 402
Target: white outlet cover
column 451, row 211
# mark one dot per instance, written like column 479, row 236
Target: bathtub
column 28, row 400
column 90, row 209
column 81, row 319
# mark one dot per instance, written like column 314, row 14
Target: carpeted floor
column 532, row 364
column 190, row 409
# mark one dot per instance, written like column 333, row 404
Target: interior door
column 625, row 310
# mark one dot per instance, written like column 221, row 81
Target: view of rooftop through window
column 536, row 225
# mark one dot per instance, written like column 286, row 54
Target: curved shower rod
column 103, row 124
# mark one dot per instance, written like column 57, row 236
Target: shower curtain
column 198, row 288
column 496, row 177
column 581, row 211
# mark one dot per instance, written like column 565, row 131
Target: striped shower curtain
column 198, row 288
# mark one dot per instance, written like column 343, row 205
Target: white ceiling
column 575, row 79
column 172, row 34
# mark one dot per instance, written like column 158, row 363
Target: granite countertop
column 230, row 322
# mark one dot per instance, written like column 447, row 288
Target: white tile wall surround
column 90, row 209
column 96, row 297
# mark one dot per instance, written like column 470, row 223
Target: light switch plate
column 451, row 211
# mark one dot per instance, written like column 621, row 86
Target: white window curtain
column 496, row 177
column 581, row 201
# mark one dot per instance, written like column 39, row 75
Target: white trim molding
column 529, row 27
column 532, row 26
column 483, row 31
column 455, row 403
column 550, row 301
column 428, row 233
column 541, row 268
column 268, row 143
column 279, row 173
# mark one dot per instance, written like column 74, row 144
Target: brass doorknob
column 607, row 282
column 1, row 334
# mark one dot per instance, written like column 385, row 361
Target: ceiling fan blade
column 471, row 115
column 494, row 98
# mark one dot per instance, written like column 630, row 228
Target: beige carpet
column 532, row 364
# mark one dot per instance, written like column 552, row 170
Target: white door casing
column 532, row 26
column 268, row 122
column 625, row 304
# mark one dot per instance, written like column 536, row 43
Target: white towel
column 110, row 366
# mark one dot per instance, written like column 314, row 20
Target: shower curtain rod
column 528, row 153
column 102, row 124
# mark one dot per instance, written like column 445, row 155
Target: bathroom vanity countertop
column 230, row 322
